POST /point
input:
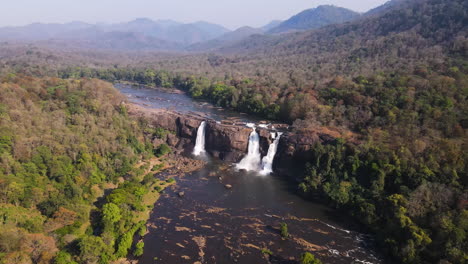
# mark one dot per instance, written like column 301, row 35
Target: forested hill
column 414, row 31
column 316, row 18
column 62, row 143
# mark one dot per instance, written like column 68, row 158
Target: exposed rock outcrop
column 230, row 142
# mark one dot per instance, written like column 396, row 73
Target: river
column 211, row 223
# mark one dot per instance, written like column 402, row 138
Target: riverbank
column 155, row 175
column 211, row 223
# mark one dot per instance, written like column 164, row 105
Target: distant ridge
column 165, row 30
column 316, row 18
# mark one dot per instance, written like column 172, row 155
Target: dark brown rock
column 230, row 142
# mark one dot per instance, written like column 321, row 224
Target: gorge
column 189, row 228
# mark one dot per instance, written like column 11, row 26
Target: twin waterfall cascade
column 267, row 161
column 251, row 162
column 200, row 142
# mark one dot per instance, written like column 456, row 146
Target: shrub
column 171, row 180
column 284, row 230
column 266, row 251
column 309, row 258
column 162, row 150
column 142, row 230
column 139, row 247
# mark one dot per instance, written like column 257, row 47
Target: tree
column 111, row 213
column 93, row 250
column 64, row 257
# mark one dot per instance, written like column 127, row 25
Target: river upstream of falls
column 230, row 212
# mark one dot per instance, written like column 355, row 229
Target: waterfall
column 251, row 162
column 200, row 142
column 267, row 161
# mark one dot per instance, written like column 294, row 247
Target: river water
column 211, row 223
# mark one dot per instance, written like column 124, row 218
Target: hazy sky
column 230, row 13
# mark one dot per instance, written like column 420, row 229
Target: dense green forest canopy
column 62, row 143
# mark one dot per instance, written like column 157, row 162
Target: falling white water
column 267, row 162
column 251, row 162
column 200, row 142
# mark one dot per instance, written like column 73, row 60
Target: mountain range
column 146, row 34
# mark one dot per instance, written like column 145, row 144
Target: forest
column 63, row 144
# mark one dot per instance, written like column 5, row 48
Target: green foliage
column 157, row 167
column 161, row 132
column 266, row 251
column 125, row 242
column 158, row 188
column 69, row 139
column 392, row 193
column 142, row 231
column 63, row 257
column 93, row 250
column 29, row 219
column 284, row 230
column 111, row 213
column 162, row 150
column 139, row 247
column 309, row 258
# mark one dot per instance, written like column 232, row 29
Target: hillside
column 315, row 18
column 416, row 32
column 271, row 25
column 73, row 172
column 227, row 39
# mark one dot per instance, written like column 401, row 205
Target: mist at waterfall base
column 200, row 141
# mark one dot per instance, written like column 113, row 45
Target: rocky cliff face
column 230, row 142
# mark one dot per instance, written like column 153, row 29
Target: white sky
column 229, row 13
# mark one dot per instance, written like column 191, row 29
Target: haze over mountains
column 166, row 35
column 316, row 18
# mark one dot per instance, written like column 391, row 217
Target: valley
column 234, row 223
column 275, row 133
